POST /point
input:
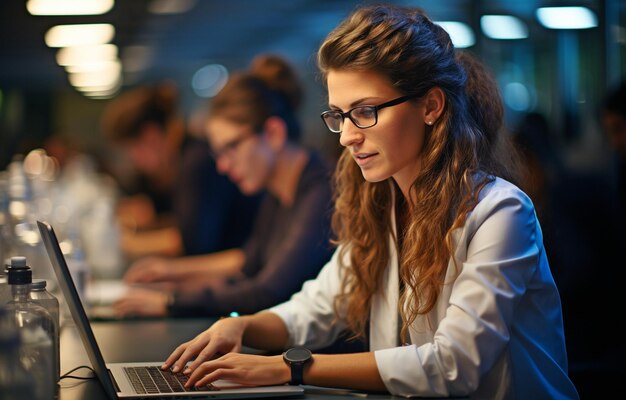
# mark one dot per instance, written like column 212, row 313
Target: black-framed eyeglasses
column 229, row 148
column 361, row 116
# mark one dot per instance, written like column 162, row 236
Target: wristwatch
column 297, row 358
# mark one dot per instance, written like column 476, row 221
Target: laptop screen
column 76, row 307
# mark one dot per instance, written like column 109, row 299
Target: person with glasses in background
column 253, row 132
column 440, row 261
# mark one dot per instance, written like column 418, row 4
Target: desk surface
column 138, row 340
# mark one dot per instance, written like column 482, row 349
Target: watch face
column 298, row 354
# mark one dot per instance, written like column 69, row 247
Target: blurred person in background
column 614, row 122
column 179, row 204
column 583, row 239
column 253, row 131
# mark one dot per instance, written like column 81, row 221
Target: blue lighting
column 461, row 34
column 567, row 17
column 503, row 27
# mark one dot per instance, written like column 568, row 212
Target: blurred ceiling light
column 170, row 6
column 86, row 54
column 517, row 96
column 69, row 7
column 461, row 34
column 79, row 34
column 96, row 66
column 100, row 90
column 107, row 78
column 102, row 93
column 567, row 17
column 209, row 80
column 503, row 27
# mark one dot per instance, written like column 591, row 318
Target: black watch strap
column 297, row 374
column 297, row 358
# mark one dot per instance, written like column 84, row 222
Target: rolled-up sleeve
column 310, row 315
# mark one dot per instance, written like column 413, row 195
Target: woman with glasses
column 253, row 133
column 440, row 262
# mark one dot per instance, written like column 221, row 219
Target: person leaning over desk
column 253, row 131
column 440, row 259
column 179, row 204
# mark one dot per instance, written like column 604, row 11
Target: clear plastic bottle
column 5, row 290
column 77, row 264
column 36, row 329
column 15, row 382
column 41, row 296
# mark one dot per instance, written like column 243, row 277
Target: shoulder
column 316, row 175
column 502, row 197
column 503, row 225
column 195, row 155
column 317, row 167
column 499, row 190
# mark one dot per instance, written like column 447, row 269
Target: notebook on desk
column 137, row 379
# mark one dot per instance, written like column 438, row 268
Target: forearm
column 265, row 330
column 354, row 371
column 222, row 264
column 165, row 242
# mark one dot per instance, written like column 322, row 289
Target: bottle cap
column 18, row 272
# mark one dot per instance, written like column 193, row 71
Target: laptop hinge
column 117, row 388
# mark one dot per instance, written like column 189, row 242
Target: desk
column 136, row 340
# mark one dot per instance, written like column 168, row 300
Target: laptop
column 137, row 379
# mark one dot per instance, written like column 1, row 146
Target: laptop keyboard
column 151, row 380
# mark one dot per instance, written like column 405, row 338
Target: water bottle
column 5, row 226
column 77, row 264
column 36, row 328
column 15, row 382
column 5, row 290
column 41, row 296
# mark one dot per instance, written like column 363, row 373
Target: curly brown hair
column 458, row 160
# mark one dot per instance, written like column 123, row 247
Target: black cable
column 67, row 374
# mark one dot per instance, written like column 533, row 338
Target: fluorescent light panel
column 86, row 54
column 461, row 34
column 79, row 34
column 69, row 7
column 89, row 79
column 96, row 66
column 505, row 27
column 567, row 17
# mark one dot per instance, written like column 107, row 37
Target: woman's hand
column 146, row 302
column 149, row 269
column 224, row 336
column 244, row 369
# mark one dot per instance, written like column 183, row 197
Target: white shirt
column 496, row 330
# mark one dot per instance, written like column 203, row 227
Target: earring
column 429, row 122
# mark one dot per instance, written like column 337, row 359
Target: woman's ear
column 275, row 132
column 434, row 104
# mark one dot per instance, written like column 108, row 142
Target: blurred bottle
column 41, row 296
column 5, row 289
column 15, row 382
column 36, row 328
column 5, row 226
column 77, row 263
column 102, row 240
column 24, row 239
